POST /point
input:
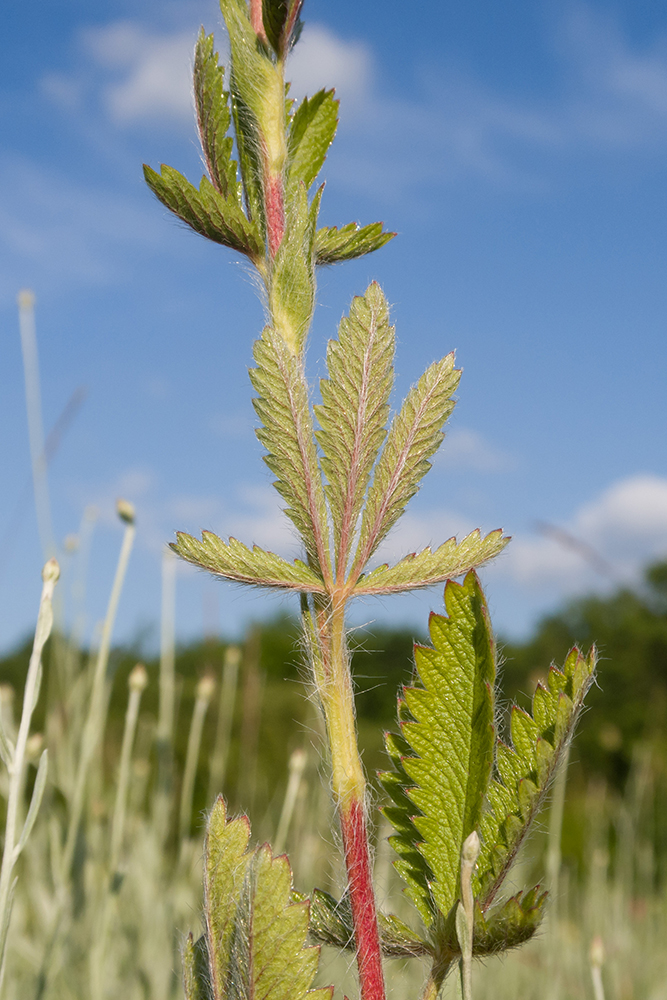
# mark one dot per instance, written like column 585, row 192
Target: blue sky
column 520, row 152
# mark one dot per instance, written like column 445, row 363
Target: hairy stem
column 349, row 788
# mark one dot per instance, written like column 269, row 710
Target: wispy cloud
column 60, row 231
column 626, row 526
column 618, row 532
column 137, row 76
column 323, row 60
column 610, row 96
column 465, row 449
column 150, row 73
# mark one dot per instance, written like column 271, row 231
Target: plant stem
column 136, row 683
column 225, row 719
column 297, row 763
column 349, row 788
column 26, row 302
column 164, row 734
column 203, row 696
column 16, row 766
column 95, row 720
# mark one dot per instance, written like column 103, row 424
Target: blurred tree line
column 627, row 709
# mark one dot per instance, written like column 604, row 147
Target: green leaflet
column 235, row 561
column 254, row 89
column 354, row 410
column 510, row 924
column 292, row 288
column 333, row 245
column 525, row 769
column 331, row 923
column 287, row 435
column 225, row 866
column 258, row 105
column 255, row 935
column 282, row 24
column 195, row 969
column 415, row 434
column 245, row 130
column 311, row 133
column 450, row 740
column 214, row 119
column 429, row 567
column 206, row 211
column 411, row 865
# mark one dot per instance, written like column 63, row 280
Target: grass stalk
column 223, row 732
column 26, row 304
column 203, row 697
column 253, row 684
column 596, row 958
column 93, row 727
column 297, row 764
column 164, row 733
column 556, row 827
column 137, row 682
column 15, row 760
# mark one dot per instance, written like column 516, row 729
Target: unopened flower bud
column 138, row 678
column 51, row 571
column 471, row 848
column 125, row 511
column 205, row 688
column 597, row 952
column 26, row 298
column 71, row 543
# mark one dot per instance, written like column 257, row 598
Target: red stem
column 367, row 937
column 257, row 19
column 275, row 212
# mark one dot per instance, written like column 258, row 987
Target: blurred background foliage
column 273, row 715
column 111, row 924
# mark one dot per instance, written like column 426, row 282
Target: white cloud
column 610, row 96
column 464, row 448
column 152, row 72
column 143, row 76
column 322, row 59
column 52, row 230
column 628, row 520
column 606, row 541
column 626, row 526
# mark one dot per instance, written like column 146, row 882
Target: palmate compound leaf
column 287, row 434
column 525, row 769
column 354, row 409
column 429, row 567
column 334, row 245
column 235, row 561
column 256, row 936
column 445, row 750
column 415, row 435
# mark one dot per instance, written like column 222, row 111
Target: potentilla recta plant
column 460, row 799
